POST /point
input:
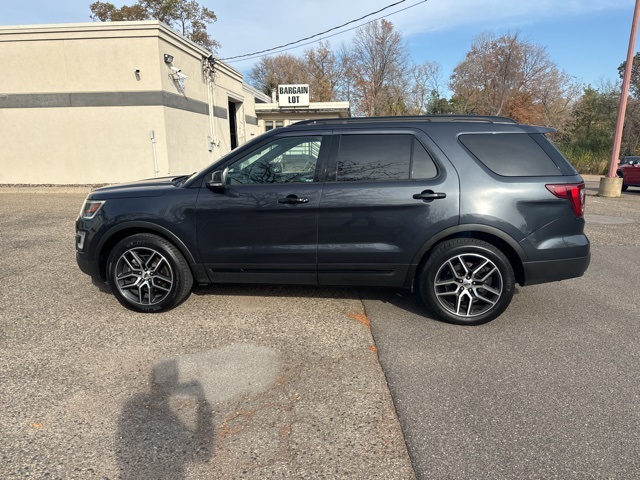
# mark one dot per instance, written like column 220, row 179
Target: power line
column 332, row 35
column 329, row 36
column 316, row 35
column 258, row 55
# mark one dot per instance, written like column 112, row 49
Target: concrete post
column 610, row 187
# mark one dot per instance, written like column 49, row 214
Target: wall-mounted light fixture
column 178, row 78
column 168, row 58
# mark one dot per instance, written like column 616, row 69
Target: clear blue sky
column 586, row 38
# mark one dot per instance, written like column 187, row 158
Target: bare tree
column 380, row 60
column 279, row 69
column 185, row 16
column 325, row 72
column 426, row 85
column 512, row 77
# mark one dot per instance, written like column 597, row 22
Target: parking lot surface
column 551, row 389
column 237, row 382
column 288, row 382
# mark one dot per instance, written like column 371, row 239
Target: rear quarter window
column 511, row 154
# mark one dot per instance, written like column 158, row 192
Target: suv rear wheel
column 148, row 274
column 467, row 281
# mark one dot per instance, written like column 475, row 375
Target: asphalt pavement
column 302, row 382
column 237, row 382
column 550, row 389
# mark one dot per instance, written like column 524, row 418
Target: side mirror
column 218, row 179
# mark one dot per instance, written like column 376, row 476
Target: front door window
column 285, row 160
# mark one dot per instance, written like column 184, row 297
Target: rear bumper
column 555, row 270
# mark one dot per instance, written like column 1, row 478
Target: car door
column 386, row 194
column 632, row 173
column 262, row 225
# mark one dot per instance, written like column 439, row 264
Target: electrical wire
column 328, row 36
column 315, row 35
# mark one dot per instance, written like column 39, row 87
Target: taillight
column 574, row 192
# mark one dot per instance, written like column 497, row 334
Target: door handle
column 292, row 199
column 429, row 195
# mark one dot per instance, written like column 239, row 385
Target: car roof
column 456, row 122
column 405, row 119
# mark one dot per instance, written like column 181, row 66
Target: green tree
column 185, row 16
column 594, row 119
column 588, row 139
column 634, row 86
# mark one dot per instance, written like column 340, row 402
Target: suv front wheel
column 148, row 274
column 467, row 281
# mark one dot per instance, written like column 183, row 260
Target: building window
column 271, row 124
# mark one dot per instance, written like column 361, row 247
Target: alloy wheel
column 468, row 285
column 144, row 276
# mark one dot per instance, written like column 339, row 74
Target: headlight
column 90, row 208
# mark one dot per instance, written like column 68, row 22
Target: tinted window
column 423, row 166
column 511, row 154
column 285, row 160
column 382, row 157
column 374, row 157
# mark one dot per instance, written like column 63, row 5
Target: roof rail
column 415, row 118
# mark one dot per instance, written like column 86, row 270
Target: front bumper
column 90, row 267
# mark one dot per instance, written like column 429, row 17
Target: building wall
column 82, row 100
column 271, row 115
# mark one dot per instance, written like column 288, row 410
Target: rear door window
column 511, row 154
column 380, row 157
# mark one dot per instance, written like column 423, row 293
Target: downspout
column 152, row 135
column 209, row 74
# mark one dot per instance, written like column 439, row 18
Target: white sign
column 293, row 95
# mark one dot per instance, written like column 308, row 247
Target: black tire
column 624, row 185
column 467, row 281
column 146, row 273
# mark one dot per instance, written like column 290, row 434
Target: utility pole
column 611, row 185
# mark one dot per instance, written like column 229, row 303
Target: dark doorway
column 233, row 130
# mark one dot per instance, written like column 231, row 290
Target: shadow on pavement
column 162, row 430
column 400, row 298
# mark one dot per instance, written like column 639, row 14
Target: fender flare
column 152, row 227
column 457, row 230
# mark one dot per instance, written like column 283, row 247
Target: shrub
column 587, row 161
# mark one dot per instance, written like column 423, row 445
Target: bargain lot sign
column 293, row 95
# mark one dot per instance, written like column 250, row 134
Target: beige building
column 95, row 103
column 110, row 102
column 272, row 115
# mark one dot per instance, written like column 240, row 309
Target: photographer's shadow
column 160, row 431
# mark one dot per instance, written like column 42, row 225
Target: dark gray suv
column 459, row 209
